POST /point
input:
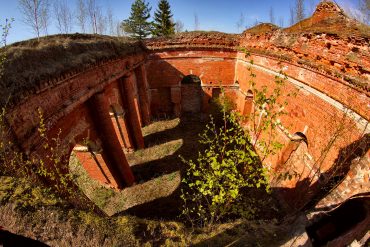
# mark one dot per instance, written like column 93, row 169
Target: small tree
column 81, row 15
column 234, row 157
column 365, row 11
column 215, row 184
column 101, row 22
column 163, row 24
column 292, row 17
column 4, row 35
column 299, row 10
column 196, row 22
column 137, row 25
column 281, row 21
column 35, row 14
column 240, row 22
column 63, row 16
column 179, row 26
column 93, row 13
column 272, row 15
column 110, row 21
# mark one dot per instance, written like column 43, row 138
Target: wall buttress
column 131, row 103
column 112, row 151
column 142, row 86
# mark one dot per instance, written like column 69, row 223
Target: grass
column 262, row 28
column 32, row 63
column 142, row 215
column 24, row 195
column 157, row 168
column 56, row 225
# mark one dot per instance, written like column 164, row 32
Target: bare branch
column 81, row 15
column 240, row 22
column 63, row 16
column 196, row 22
column 272, row 15
column 299, row 10
column 110, row 21
column 179, row 26
column 35, row 14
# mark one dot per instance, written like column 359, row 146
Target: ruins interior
column 98, row 104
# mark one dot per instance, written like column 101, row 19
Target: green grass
column 159, row 172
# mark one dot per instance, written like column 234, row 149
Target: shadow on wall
column 306, row 195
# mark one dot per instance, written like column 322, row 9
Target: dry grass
column 30, row 64
column 49, row 223
column 262, row 28
column 142, row 215
column 157, row 169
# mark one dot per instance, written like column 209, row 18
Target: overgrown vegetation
column 233, row 160
column 56, row 56
column 216, row 181
column 50, row 169
column 4, row 34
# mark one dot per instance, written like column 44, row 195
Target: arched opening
column 89, row 156
column 339, row 221
column 299, row 136
column 216, row 92
column 190, row 79
column 191, row 94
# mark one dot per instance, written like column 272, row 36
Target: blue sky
column 217, row 15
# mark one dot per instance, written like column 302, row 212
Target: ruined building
column 97, row 92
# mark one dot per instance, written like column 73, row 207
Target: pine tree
column 137, row 25
column 163, row 24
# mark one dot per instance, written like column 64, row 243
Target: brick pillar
column 112, row 152
column 130, row 104
column 142, row 86
column 245, row 103
column 122, row 128
column 176, row 100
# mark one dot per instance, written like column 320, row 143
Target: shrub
column 216, row 181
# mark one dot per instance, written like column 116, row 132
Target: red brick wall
column 64, row 104
column 307, row 112
column 191, row 98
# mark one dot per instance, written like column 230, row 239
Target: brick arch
column 90, row 156
column 299, row 136
column 191, row 79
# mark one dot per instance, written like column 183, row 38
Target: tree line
column 91, row 18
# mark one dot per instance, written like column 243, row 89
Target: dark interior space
column 338, row 222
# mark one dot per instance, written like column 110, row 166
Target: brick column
column 130, row 104
column 142, row 86
column 112, row 151
column 176, row 100
column 123, row 130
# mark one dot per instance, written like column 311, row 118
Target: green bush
column 216, row 181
